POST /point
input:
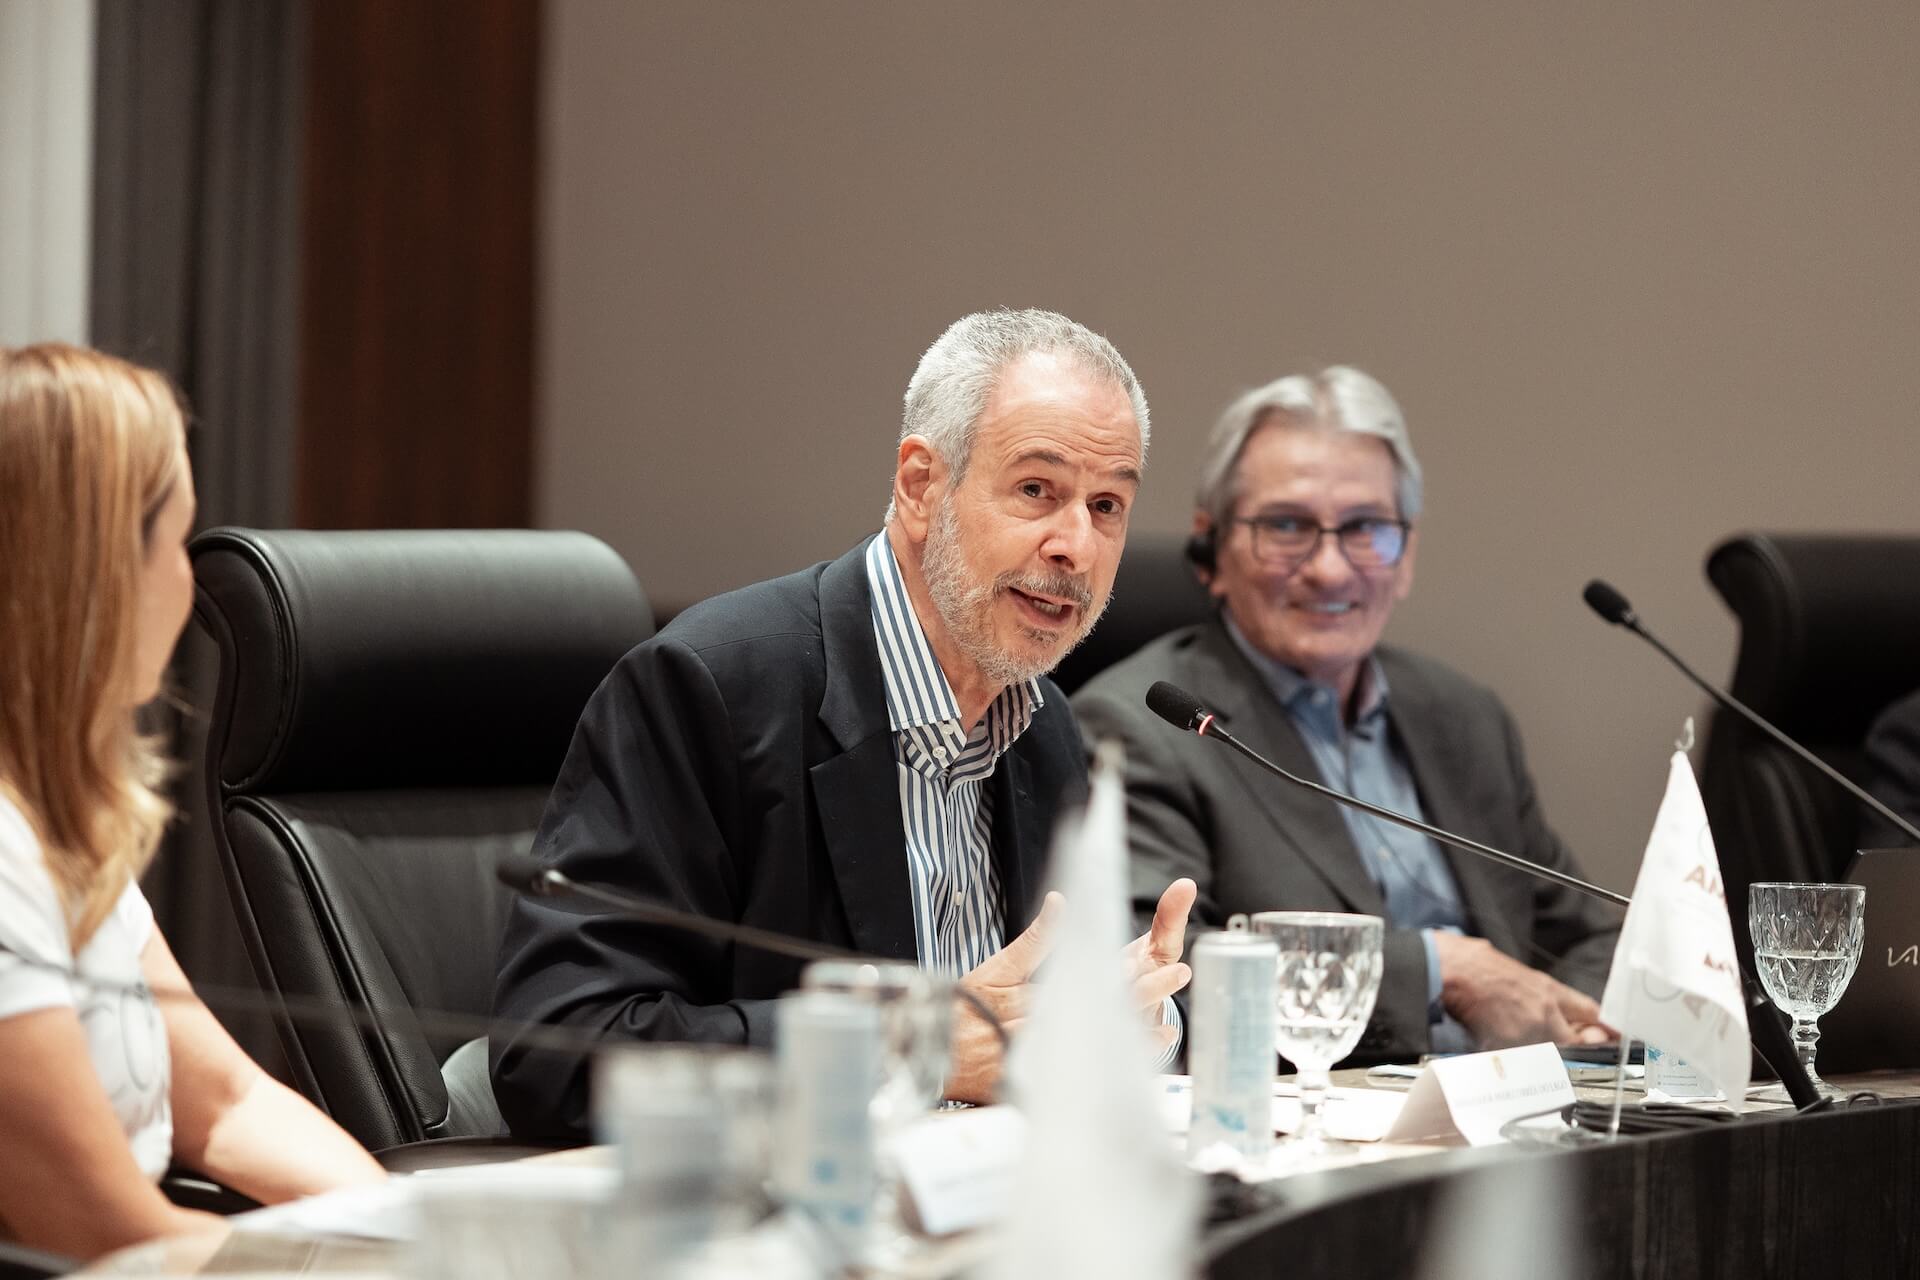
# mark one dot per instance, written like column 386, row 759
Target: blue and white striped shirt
column 946, row 805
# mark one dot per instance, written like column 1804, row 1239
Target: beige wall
column 1640, row 281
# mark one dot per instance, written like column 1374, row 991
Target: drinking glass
column 1806, row 945
column 691, row 1129
column 916, row 1010
column 1325, row 984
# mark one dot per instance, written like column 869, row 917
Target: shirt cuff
column 1170, row 1017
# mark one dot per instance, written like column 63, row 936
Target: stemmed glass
column 1324, row 988
column 916, row 1009
column 1806, row 945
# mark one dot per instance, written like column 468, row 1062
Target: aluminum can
column 827, row 1066
column 1230, row 1044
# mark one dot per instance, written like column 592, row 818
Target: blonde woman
column 101, row 1082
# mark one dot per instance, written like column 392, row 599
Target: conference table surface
column 1835, row 1194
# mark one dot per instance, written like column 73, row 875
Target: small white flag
column 1675, row 982
column 1102, row 1191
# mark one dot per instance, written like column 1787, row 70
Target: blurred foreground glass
column 916, row 1016
column 1325, row 983
column 691, row 1129
column 1806, row 945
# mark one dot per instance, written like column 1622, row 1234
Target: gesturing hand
column 1001, row 983
column 1153, row 958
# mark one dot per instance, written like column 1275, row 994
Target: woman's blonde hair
column 90, row 448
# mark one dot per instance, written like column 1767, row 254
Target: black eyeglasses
column 1368, row 542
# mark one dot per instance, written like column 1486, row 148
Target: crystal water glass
column 1325, row 983
column 1806, row 945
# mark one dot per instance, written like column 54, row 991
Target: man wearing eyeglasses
column 1305, row 537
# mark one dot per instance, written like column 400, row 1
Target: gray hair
column 1338, row 398
column 955, row 378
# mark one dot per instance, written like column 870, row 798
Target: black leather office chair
column 1154, row 592
column 1829, row 635
column 392, row 710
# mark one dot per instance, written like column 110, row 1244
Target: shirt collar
column 918, row 694
column 1297, row 693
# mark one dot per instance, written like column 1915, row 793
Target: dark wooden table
column 1832, row 1195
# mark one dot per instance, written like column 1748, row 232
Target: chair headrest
column 406, row 658
column 1829, row 626
column 1154, row 592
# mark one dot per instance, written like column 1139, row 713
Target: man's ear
column 919, row 474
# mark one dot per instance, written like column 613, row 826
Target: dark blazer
column 1253, row 842
column 737, row 765
column 1893, row 773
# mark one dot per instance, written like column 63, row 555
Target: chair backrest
column 1829, row 635
column 392, row 709
column 1155, row 592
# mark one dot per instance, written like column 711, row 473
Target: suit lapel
column 1018, row 839
column 1311, row 826
column 857, row 792
column 1436, row 759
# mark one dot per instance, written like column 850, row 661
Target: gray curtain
column 195, row 270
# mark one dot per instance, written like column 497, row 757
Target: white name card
column 958, row 1166
column 1472, row 1095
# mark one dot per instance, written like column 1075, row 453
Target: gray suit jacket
column 1253, row 843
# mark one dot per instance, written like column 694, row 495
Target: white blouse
column 103, row 985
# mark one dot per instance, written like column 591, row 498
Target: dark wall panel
column 416, row 377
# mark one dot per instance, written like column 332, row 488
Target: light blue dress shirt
column 1365, row 759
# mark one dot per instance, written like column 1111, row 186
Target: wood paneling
column 416, row 374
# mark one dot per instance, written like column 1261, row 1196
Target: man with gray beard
column 866, row 753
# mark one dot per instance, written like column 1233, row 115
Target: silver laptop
column 1877, row 1022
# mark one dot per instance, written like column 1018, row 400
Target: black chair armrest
column 193, row 1190
column 447, row 1153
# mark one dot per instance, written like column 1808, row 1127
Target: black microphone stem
column 524, row 874
column 1759, row 721
column 1210, row 728
column 636, row 908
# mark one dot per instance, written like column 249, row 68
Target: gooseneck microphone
column 525, row 873
column 1769, row 1036
column 1184, row 711
column 1604, row 600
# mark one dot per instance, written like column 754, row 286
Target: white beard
column 966, row 605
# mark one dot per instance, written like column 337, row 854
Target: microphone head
column 1609, row 604
column 1175, row 705
column 522, row 872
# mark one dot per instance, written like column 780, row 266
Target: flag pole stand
column 1619, row 1087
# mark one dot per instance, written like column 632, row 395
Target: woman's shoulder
column 31, row 918
column 20, row 854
